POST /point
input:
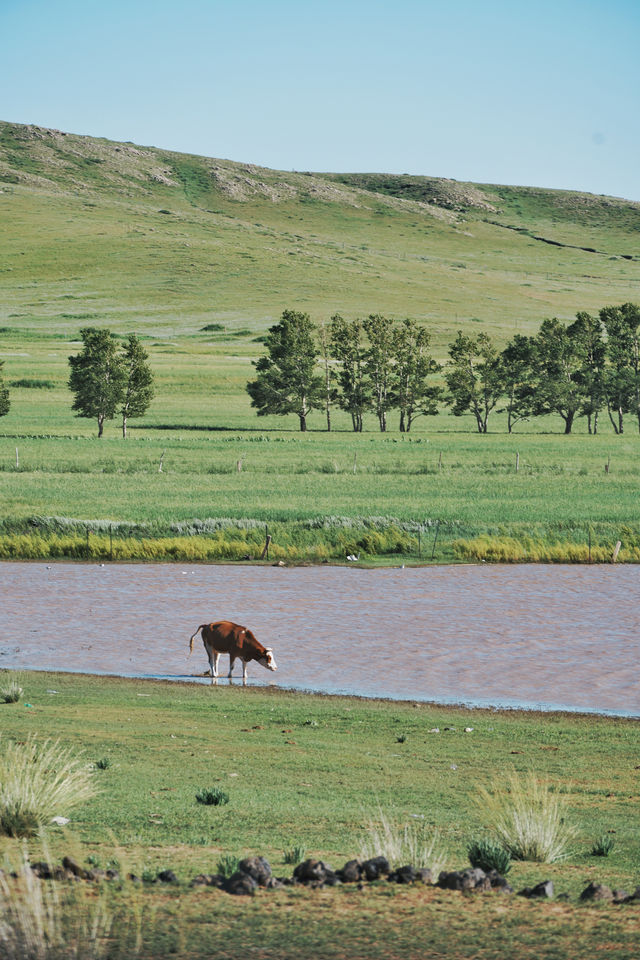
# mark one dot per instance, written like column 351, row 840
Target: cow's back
column 224, row 636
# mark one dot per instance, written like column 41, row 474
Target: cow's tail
column 194, row 636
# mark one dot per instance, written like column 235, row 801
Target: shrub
column 103, row 764
column 212, row 797
column 10, row 689
column 227, row 865
column 528, row 819
column 603, row 846
column 489, row 855
column 295, row 855
column 411, row 843
column 38, row 781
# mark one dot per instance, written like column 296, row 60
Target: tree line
column 584, row 368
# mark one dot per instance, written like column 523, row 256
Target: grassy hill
column 125, row 235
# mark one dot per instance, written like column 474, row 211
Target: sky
column 492, row 91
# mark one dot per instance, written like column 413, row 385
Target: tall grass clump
column 410, row 843
column 37, row 782
column 528, row 819
column 488, row 854
column 10, row 689
column 41, row 920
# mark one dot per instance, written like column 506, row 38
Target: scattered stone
column 375, row 868
column 544, row 890
column 208, row 880
column 406, row 874
column 313, row 872
column 241, row 884
column 257, row 868
column 167, row 876
column 473, row 878
column 74, row 868
column 622, row 896
column 498, row 882
column 596, row 891
column 351, row 872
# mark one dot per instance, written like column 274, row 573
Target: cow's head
column 268, row 660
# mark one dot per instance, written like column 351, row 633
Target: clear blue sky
column 495, row 91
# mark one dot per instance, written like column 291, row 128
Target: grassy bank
column 312, row 772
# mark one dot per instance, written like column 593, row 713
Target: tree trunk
column 402, row 426
column 620, row 424
column 568, row 421
column 613, row 423
column 100, row 425
column 303, row 421
column 124, row 427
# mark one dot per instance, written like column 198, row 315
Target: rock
column 167, row 876
column 498, row 882
column 596, row 891
column 274, row 884
column 375, row 868
column 424, row 875
column 351, row 872
column 312, row 871
column 241, row 884
column 208, row 880
column 473, row 878
column 95, row 874
column 257, row 868
column 42, row 870
column 622, row 896
column 74, row 868
column 544, row 889
column 112, row 875
column 405, row 874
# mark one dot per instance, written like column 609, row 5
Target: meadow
column 312, row 774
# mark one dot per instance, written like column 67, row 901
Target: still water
column 531, row 636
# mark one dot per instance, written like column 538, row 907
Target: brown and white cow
column 239, row 642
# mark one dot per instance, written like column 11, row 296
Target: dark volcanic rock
column 544, row 889
column 257, row 868
column 241, row 884
column 74, row 868
column 596, row 891
column 351, row 872
column 375, row 868
column 473, row 878
column 167, row 876
column 208, row 880
column 313, row 871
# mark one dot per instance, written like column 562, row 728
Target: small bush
column 489, row 855
column 214, row 797
column 32, row 383
column 37, row 782
column 295, row 855
column 10, row 689
column 227, row 865
column 412, row 843
column 528, row 819
column 603, row 846
column 212, row 327
column 103, row 764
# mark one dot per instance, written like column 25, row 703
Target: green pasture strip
column 310, row 770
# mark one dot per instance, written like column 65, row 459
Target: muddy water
column 533, row 636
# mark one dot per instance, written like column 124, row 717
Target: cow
column 239, row 642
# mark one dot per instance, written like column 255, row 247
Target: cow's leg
column 232, row 660
column 214, row 666
column 244, row 671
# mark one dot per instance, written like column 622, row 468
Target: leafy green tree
column 622, row 378
column 475, row 377
column 5, row 402
column 286, row 380
column 586, row 331
column 411, row 392
column 517, row 361
column 97, row 376
column 379, row 358
column 559, row 373
column 138, row 387
column 347, row 347
column 328, row 371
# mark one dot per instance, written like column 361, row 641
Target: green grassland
column 165, row 245
column 312, row 771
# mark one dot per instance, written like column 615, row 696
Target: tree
column 586, row 332
column 138, row 387
column 5, row 402
column 475, row 378
column 379, row 363
column 413, row 364
column 97, row 376
column 348, row 349
column 286, row 382
column 622, row 380
column 328, row 372
column 517, row 362
column 559, row 363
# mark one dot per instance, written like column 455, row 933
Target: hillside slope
column 94, row 230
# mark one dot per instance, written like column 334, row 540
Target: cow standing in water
column 239, row 642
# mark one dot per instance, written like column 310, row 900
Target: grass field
column 312, row 772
